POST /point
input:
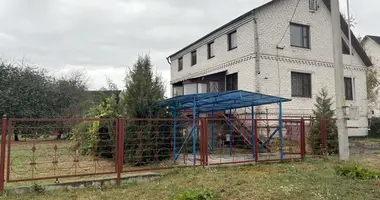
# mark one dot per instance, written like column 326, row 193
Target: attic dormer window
column 313, row 5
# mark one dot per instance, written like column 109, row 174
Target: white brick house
column 281, row 48
column 371, row 44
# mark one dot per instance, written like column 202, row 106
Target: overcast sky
column 103, row 37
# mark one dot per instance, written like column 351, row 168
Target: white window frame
column 313, row 5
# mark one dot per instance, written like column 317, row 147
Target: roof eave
column 222, row 27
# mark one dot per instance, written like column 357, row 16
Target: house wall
column 373, row 51
column 276, row 64
column 239, row 60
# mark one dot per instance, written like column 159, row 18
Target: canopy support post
column 230, row 131
column 253, row 132
column 175, row 131
column 194, row 132
column 280, row 131
column 212, row 132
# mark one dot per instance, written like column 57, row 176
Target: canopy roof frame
column 219, row 101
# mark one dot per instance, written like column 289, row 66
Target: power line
column 286, row 30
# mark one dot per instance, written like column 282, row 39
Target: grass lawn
column 311, row 179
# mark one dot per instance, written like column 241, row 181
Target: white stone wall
column 276, row 65
column 274, row 29
column 245, row 42
column 373, row 51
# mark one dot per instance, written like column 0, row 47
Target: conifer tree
column 321, row 112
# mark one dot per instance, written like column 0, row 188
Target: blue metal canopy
column 220, row 101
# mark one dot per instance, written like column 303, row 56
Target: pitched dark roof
column 344, row 26
column 355, row 42
column 374, row 38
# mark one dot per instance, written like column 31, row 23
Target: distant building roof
column 374, row 38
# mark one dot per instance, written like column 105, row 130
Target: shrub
column 38, row 188
column 147, row 141
column 198, row 195
column 98, row 137
column 374, row 131
column 356, row 171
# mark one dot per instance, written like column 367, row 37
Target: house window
column 231, row 82
column 232, row 40
column 193, row 58
column 202, row 88
column 345, row 48
column 180, row 64
column 190, row 88
column 299, row 35
column 313, row 5
column 301, row 85
column 177, row 91
column 210, row 50
column 348, row 88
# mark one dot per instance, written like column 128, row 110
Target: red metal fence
column 66, row 148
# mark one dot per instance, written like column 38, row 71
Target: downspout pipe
column 257, row 53
column 256, row 82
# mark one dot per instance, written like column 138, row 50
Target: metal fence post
column 206, row 141
column 201, row 141
column 9, row 142
column 119, row 149
column 303, row 139
column 256, row 142
column 2, row 158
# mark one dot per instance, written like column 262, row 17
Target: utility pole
column 339, row 82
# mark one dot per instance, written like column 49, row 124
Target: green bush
column 85, row 136
column 144, row 140
column 374, row 131
column 356, row 171
column 198, row 195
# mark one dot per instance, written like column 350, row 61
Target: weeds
column 356, row 171
column 38, row 188
column 198, row 195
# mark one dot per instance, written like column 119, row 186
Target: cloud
column 105, row 37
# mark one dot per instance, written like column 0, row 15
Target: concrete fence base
column 101, row 182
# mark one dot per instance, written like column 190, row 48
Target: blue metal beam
column 175, row 130
column 253, row 132
column 229, row 120
column 194, row 133
column 205, row 109
column 281, row 136
column 241, row 99
column 268, row 139
column 186, row 138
